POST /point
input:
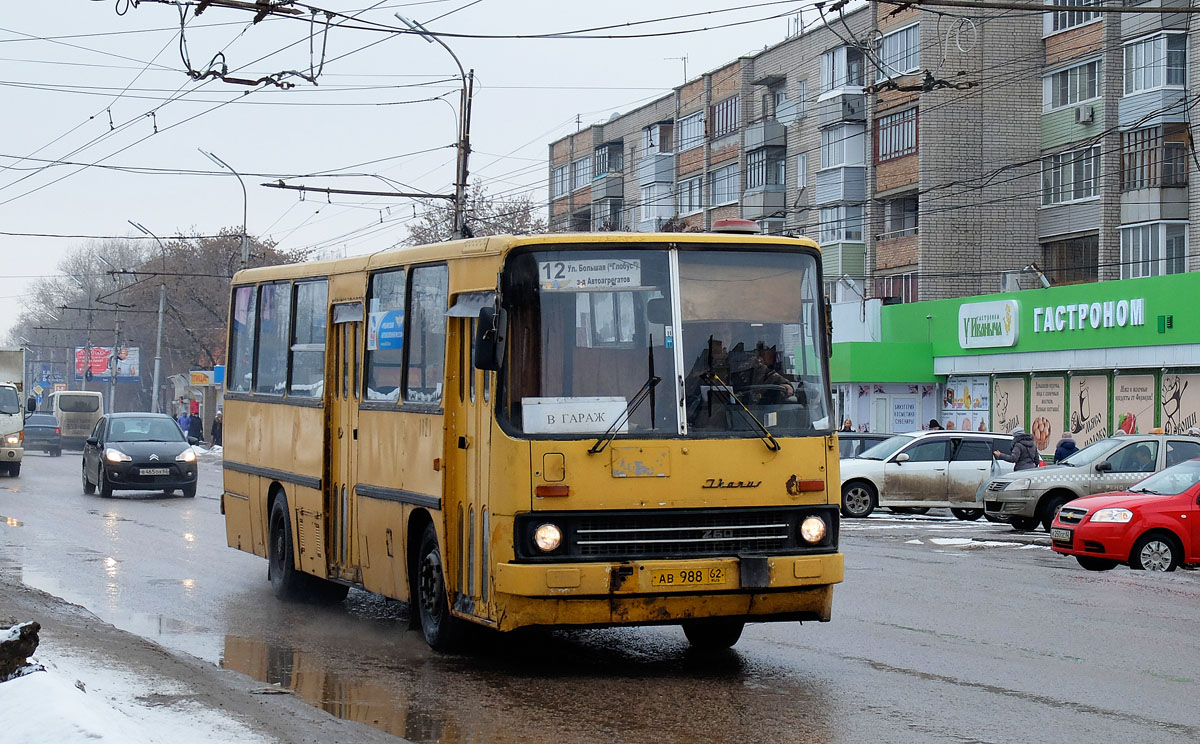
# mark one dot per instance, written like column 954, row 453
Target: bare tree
column 485, row 215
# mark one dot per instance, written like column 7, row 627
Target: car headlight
column 13, row 439
column 188, row 455
column 813, row 529
column 547, row 537
column 1020, row 484
column 1112, row 515
column 116, row 455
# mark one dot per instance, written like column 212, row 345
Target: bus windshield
column 737, row 346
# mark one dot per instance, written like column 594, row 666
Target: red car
column 1155, row 525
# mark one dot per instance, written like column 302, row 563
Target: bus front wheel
column 443, row 631
column 713, row 634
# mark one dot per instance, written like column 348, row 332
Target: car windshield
column 9, row 403
column 1174, row 480
column 144, row 430
column 1092, row 453
column 886, row 448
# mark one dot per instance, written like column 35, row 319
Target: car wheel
column 1023, row 524
column 104, row 486
column 1154, row 552
column 1092, row 563
column 995, row 518
column 967, row 515
column 189, row 490
column 1050, row 510
column 714, row 634
column 443, row 631
column 88, row 486
column 920, row 510
column 858, row 499
column 58, row 451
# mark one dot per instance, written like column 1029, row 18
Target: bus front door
column 342, row 419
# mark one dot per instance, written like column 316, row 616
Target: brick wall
column 898, row 172
column 893, row 253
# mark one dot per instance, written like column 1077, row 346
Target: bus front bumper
column 633, row 593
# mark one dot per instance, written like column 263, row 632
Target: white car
column 924, row 470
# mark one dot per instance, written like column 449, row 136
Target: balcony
column 763, row 201
column 659, row 168
column 841, row 107
column 1138, row 24
column 846, row 184
column 608, row 186
column 1154, row 204
column 765, row 133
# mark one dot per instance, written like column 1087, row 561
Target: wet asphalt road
column 943, row 631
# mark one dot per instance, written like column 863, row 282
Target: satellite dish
column 787, row 112
column 615, row 115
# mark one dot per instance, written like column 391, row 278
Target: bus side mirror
column 489, row 338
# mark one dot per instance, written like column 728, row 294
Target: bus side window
column 426, row 334
column 384, row 351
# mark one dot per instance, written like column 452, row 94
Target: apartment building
column 932, row 156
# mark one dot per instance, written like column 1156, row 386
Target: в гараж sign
column 985, row 325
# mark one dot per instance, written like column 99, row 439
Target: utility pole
column 113, row 359
column 162, row 302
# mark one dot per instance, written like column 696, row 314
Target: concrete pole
column 155, row 392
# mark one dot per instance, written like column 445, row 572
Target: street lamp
column 162, row 301
column 245, row 203
column 464, row 127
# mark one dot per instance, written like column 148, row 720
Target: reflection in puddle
column 10, row 522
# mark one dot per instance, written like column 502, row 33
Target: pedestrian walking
column 184, row 421
column 1065, row 447
column 196, row 428
column 217, row 427
column 1024, row 452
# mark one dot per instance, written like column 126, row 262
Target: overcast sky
column 88, row 83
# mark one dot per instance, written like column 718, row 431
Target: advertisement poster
column 904, row 414
column 1008, row 404
column 1133, row 403
column 1089, row 409
column 101, row 359
column 1180, row 402
column 1047, row 406
column 385, row 330
column 966, row 403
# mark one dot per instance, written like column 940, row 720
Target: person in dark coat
column 196, row 428
column 1024, row 452
column 934, row 425
column 1065, row 447
column 218, row 425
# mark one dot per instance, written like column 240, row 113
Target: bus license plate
column 1058, row 534
column 154, row 471
column 687, row 577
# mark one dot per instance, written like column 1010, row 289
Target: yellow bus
column 554, row 431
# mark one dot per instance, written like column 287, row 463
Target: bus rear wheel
column 443, row 631
column 715, row 634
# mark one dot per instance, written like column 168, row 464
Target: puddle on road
column 10, row 522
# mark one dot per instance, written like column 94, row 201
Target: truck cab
column 12, row 410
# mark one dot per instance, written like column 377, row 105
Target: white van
column 77, row 412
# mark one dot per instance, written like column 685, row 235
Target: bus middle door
column 342, row 417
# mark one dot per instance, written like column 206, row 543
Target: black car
column 138, row 452
column 42, row 432
column 851, row 443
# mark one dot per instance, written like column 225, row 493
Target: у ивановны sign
column 985, row 325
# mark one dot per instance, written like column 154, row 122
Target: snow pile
column 45, row 707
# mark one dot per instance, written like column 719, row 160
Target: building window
column 1154, row 157
column 771, row 226
column 657, row 202
column 691, row 195
column 901, row 217
column 724, row 185
column 765, row 167
column 608, row 159
column 1153, row 249
column 900, row 52
column 802, row 170
column 691, row 131
column 902, row 287
column 1155, row 62
column 841, row 223
column 841, row 68
column 725, row 117
column 895, row 135
column 842, row 145
column 1071, row 86
column 1073, row 13
column 656, row 139
column 801, row 99
column 606, row 215
column 1073, row 260
column 1071, row 176
column 559, row 180
column 581, row 172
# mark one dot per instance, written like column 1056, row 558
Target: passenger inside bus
column 752, row 373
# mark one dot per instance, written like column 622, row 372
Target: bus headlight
column 812, row 529
column 547, row 537
column 116, row 455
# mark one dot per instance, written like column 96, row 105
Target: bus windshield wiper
column 765, row 435
column 644, row 392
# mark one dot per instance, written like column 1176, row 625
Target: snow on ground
column 77, row 702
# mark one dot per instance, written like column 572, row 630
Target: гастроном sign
column 984, row 325
column 1076, row 317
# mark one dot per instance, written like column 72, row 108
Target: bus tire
column 286, row 581
column 443, row 632
column 88, row 487
column 713, row 634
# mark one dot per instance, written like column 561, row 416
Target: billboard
column 101, row 362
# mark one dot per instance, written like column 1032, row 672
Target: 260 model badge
column 722, row 483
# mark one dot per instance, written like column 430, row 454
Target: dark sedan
column 42, row 432
column 138, row 452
